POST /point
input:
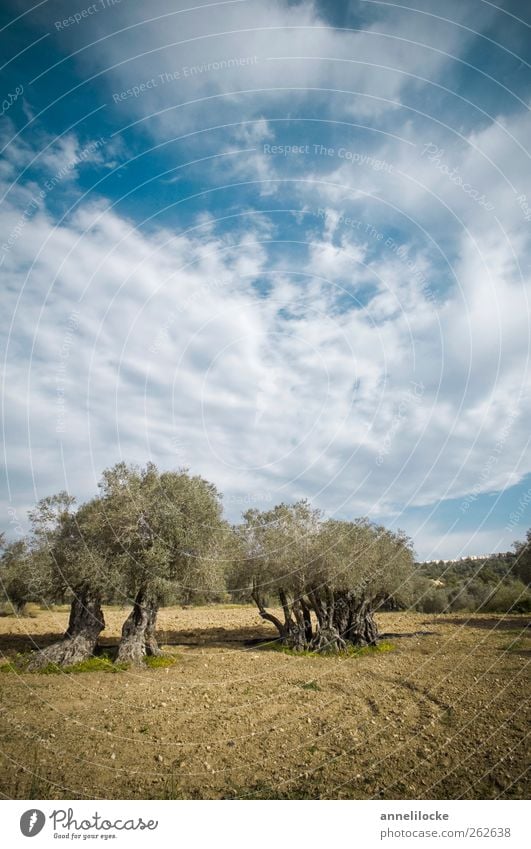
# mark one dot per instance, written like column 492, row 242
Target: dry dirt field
column 442, row 715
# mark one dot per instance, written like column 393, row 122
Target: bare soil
column 443, row 715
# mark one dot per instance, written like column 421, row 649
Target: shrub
column 513, row 597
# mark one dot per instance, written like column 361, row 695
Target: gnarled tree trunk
column 269, row 617
column 329, row 636
column 138, row 631
column 362, row 629
column 295, row 631
column 328, row 639
column 85, row 624
column 302, row 624
column 292, row 632
column 343, row 619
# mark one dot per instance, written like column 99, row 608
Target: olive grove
column 149, row 537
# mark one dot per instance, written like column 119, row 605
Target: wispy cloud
column 321, row 288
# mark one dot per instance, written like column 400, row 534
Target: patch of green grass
column 351, row 651
column 101, row 663
column 379, row 648
column 159, row 662
column 98, row 664
column 18, row 663
column 9, row 667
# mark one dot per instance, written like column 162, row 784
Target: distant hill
column 479, row 583
column 487, row 567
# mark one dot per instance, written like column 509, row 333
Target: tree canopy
column 327, row 576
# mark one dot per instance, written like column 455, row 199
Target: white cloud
column 342, row 370
column 281, row 52
column 172, row 346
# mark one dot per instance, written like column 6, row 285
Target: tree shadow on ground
column 519, row 650
column 491, row 623
column 245, row 637
column 213, row 637
column 26, row 642
column 217, row 637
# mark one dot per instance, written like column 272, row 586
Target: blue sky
column 284, row 244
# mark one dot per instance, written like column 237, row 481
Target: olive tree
column 327, row 577
column 160, row 528
column 16, row 580
column 356, row 567
column 72, row 565
column 276, row 546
